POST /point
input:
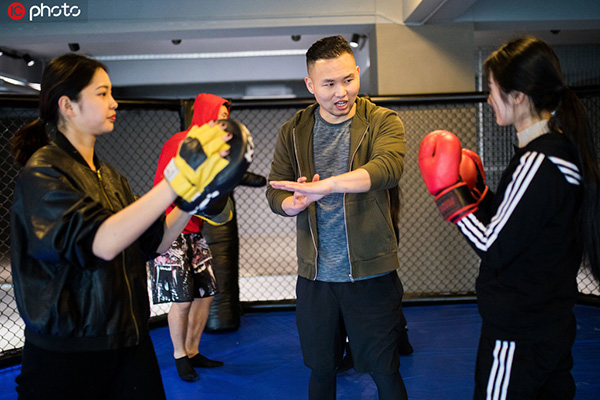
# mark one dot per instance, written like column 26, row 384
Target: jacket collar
column 304, row 137
column 62, row 142
column 308, row 117
column 533, row 132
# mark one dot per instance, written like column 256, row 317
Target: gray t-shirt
column 331, row 148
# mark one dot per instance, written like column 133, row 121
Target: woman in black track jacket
column 533, row 233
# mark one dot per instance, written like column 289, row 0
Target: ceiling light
column 12, row 81
column 20, row 82
column 28, row 60
column 358, row 41
column 196, row 56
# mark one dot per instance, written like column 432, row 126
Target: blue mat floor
column 263, row 361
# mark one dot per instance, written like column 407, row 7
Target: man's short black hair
column 327, row 48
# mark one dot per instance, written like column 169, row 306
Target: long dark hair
column 66, row 75
column 529, row 65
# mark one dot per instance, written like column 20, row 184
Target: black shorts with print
column 184, row 272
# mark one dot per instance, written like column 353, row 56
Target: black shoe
column 199, row 361
column 404, row 346
column 185, row 370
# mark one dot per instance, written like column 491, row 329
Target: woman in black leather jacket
column 79, row 243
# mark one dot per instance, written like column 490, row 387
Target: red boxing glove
column 439, row 160
column 472, row 172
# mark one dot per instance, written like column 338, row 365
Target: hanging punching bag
column 224, row 242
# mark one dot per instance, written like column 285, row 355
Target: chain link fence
column 11, row 325
column 435, row 260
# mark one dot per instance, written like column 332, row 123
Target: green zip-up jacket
column 377, row 144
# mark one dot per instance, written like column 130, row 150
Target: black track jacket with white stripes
column 527, row 237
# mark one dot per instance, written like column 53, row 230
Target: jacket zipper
column 309, row 224
column 350, row 275
column 135, row 323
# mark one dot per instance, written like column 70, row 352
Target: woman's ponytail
column 572, row 119
column 28, row 139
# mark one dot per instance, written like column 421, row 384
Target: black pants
column 130, row 373
column 526, row 369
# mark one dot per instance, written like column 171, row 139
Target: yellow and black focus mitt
column 199, row 175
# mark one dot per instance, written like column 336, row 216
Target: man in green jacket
column 332, row 167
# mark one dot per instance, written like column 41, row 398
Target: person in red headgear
column 183, row 275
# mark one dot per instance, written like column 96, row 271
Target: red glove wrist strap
column 456, row 202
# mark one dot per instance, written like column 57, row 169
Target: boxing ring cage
column 436, row 262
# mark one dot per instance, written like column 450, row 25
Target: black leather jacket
column 69, row 299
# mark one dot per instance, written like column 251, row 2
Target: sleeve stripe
column 473, row 230
column 569, row 170
column 483, row 237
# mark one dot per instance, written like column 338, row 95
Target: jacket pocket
column 370, row 232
